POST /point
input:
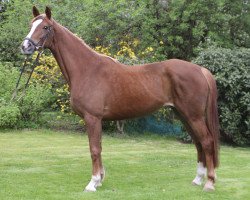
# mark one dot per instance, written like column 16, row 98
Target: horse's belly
column 127, row 110
column 142, row 98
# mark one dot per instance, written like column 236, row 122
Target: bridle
column 42, row 39
column 40, row 48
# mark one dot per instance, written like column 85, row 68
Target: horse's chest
column 91, row 102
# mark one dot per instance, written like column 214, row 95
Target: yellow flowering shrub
column 128, row 51
column 125, row 49
column 49, row 73
column 103, row 50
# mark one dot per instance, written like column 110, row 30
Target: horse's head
column 41, row 32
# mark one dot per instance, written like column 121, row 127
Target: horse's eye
column 45, row 27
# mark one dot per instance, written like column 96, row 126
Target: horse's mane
column 85, row 44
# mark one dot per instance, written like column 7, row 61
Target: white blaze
column 33, row 28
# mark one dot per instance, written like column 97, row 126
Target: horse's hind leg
column 201, row 132
column 201, row 169
column 201, row 163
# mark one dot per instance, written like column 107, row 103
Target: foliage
column 28, row 108
column 9, row 115
column 35, row 100
column 49, row 74
column 171, row 28
column 7, row 83
column 12, row 32
column 231, row 70
column 235, row 24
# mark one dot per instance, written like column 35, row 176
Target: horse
column 101, row 88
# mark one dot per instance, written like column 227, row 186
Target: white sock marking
column 94, row 183
column 201, row 173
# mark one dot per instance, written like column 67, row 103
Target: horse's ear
column 48, row 12
column 35, row 11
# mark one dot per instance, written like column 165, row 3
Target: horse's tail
column 212, row 118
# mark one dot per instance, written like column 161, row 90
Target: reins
column 34, row 65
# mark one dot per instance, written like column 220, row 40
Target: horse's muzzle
column 27, row 48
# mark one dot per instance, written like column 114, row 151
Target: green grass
column 45, row 164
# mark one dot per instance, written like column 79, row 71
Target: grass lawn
column 43, row 164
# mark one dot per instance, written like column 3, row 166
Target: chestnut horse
column 101, row 88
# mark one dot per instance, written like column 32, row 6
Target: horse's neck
column 73, row 56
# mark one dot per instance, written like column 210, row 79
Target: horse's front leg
column 94, row 129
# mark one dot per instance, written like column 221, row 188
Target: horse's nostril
column 27, row 48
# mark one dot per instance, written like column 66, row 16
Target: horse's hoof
column 93, row 184
column 194, row 183
column 209, row 186
column 208, row 189
column 89, row 189
column 197, row 181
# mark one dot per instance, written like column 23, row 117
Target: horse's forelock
column 42, row 16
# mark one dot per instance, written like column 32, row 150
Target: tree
column 236, row 28
column 172, row 28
